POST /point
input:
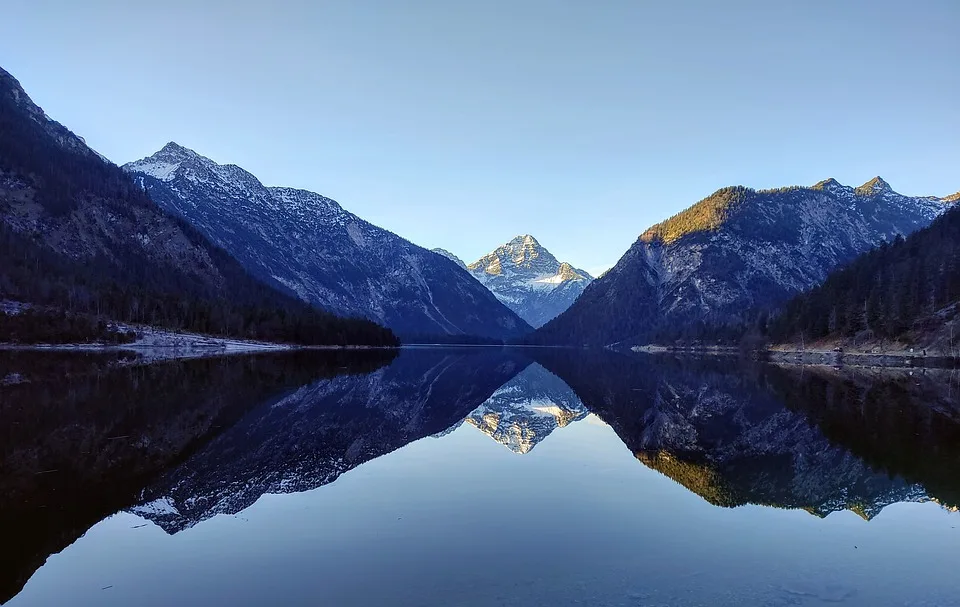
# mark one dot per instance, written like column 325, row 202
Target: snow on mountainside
column 526, row 409
column 530, row 280
column 307, row 244
column 732, row 252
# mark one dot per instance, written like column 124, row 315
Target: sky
column 462, row 124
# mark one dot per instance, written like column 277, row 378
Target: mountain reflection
column 526, row 409
column 81, row 435
column 789, row 437
column 84, row 436
column 314, row 434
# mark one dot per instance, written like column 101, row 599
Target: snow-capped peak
column 174, row 161
column 308, row 245
column 525, row 240
column 173, row 150
column 830, row 185
column 875, row 186
column 529, row 279
column 163, row 164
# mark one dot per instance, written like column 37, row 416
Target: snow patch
column 161, row 506
column 158, row 169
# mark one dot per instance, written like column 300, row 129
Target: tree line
column 883, row 293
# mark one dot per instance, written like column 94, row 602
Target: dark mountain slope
column 908, row 290
column 76, row 233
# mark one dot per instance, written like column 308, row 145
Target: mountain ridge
column 77, row 235
column 734, row 251
column 529, row 280
column 308, row 245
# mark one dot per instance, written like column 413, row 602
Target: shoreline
column 156, row 346
column 858, row 359
column 828, row 358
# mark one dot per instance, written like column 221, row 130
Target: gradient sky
column 460, row 125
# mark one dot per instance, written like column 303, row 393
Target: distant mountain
column 451, row 257
column 309, row 245
column 526, row 409
column 78, row 235
column 529, row 280
column 908, row 291
column 735, row 251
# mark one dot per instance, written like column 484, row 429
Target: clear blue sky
column 461, row 124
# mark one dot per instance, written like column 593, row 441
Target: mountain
column 321, row 430
column 109, row 429
column 88, row 435
column 451, row 257
column 526, row 409
column 529, row 280
column 76, row 234
column 308, row 245
column 908, row 291
column 738, row 434
column 733, row 252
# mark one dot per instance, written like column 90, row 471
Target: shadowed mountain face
column 84, row 436
column 78, row 235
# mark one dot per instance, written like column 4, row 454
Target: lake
column 475, row 476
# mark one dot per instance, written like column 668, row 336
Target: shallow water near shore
column 476, row 476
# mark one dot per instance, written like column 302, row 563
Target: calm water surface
column 475, row 476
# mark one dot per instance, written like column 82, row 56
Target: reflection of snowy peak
column 528, row 408
column 529, row 280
